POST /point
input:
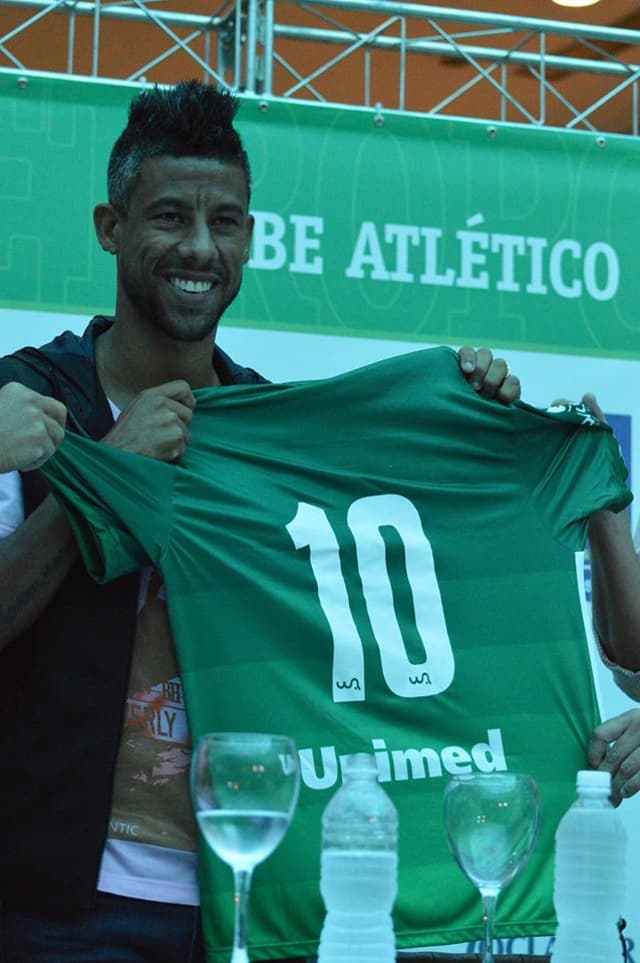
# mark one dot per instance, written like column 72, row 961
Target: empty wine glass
column 245, row 789
column 492, row 822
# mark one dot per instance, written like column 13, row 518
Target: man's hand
column 489, row 376
column 31, row 427
column 615, row 748
column 156, row 423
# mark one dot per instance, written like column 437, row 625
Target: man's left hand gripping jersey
column 383, row 562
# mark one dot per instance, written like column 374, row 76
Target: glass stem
column 242, row 885
column 489, row 901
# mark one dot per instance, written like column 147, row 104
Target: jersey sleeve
column 572, row 464
column 118, row 504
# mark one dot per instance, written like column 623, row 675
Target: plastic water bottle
column 359, row 868
column 589, row 883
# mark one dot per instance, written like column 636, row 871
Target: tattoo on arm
column 40, row 584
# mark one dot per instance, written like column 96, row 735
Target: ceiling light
column 575, row 3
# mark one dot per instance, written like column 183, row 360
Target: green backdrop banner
column 418, row 228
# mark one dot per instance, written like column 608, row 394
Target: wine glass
column 245, row 789
column 492, row 822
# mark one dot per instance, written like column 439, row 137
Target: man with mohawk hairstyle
column 97, row 836
column 98, row 843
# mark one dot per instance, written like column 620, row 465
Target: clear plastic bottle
column 359, row 868
column 589, row 882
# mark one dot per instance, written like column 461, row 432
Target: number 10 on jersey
column 310, row 528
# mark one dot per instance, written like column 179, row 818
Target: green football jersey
column 383, row 562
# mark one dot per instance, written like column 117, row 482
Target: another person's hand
column 587, row 399
column 31, row 427
column 592, row 402
column 489, row 376
column 615, row 748
column 156, row 423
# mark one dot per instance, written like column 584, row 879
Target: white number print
column 366, row 516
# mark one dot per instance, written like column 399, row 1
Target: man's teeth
column 191, row 287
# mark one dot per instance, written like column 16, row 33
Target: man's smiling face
column 182, row 244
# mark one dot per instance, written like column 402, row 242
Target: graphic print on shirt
column 151, row 802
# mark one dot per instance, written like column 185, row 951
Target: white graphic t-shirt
column 152, row 831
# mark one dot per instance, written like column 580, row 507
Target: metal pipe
column 238, row 48
column 543, row 77
column 604, row 99
column 95, row 58
column 367, row 77
column 71, row 42
column 14, row 60
column 87, row 7
column 267, row 41
column 418, row 11
column 153, row 16
column 402, row 93
column 207, row 55
column 559, row 96
column 138, row 75
column 48, row 8
column 446, row 48
column 251, row 46
column 357, row 42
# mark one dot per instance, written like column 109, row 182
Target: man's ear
column 247, row 250
column 107, row 224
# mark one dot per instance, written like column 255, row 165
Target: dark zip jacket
column 64, row 681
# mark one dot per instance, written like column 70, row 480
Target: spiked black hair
column 188, row 120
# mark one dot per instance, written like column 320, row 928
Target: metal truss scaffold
column 378, row 54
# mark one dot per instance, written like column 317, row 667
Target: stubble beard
column 183, row 326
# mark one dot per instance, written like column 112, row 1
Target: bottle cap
column 592, row 779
